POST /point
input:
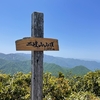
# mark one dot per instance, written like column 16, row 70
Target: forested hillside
column 63, row 62
column 17, row 87
column 12, row 67
column 13, row 63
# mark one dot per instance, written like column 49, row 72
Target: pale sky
column 75, row 23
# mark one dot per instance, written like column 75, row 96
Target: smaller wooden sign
column 37, row 44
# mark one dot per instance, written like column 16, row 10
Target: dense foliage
column 17, row 87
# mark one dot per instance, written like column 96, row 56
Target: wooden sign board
column 37, row 44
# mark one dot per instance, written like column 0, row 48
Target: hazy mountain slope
column 79, row 70
column 61, row 62
column 3, row 62
column 70, row 62
column 54, row 69
column 25, row 65
column 14, row 67
column 11, row 67
column 15, row 56
column 64, row 62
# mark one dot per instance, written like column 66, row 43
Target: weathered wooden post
column 37, row 57
column 37, row 44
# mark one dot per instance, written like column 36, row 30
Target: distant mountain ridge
column 71, row 62
column 63, row 62
column 15, row 56
column 12, row 67
column 54, row 69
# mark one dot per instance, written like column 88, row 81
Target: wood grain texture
column 37, row 58
column 37, row 44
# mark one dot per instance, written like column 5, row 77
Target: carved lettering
column 29, row 44
column 46, row 45
column 51, row 44
column 42, row 45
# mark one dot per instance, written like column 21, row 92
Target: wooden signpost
column 37, row 44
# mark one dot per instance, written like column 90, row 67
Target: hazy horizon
column 56, row 56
